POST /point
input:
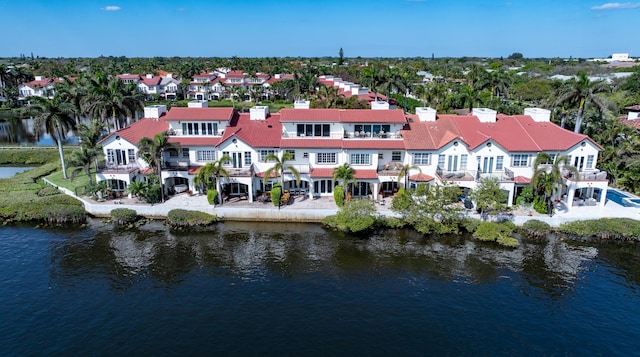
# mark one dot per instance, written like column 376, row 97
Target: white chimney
column 149, row 75
column 198, row 104
column 633, row 115
column 426, row 113
column 301, row 104
column 39, row 78
column 485, row 115
column 154, row 111
column 259, row 112
column 379, row 105
column 538, row 114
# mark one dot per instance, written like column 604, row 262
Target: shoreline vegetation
column 27, row 198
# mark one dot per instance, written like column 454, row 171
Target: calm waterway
column 296, row 289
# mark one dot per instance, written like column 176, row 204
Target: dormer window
column 313, row 130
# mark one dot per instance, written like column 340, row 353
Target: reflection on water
column 254, row 250
column 296, row 289
column 23, row 131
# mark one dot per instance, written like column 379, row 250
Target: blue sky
column 374, row 28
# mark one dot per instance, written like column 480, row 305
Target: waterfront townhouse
column 378, row 144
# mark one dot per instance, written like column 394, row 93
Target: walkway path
column 304, row 209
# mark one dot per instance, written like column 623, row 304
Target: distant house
column 633, row 116
column 164, row 85
column 40, row 87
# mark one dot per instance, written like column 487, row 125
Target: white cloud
column 616, row 5
column 111, row 8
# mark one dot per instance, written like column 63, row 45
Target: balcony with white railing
column 457, row 175
column 501, row 176
column 591, row 175
column 114, row 168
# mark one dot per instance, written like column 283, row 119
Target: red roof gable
column 517, row 133
column 144, row 127
column 366, row 174
column 217, row 114
column 420, row 177
column 153, row 81
column 318, row 172
column 257, row 133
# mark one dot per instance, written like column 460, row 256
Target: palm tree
column 82, row 160
column 213, row 170
column 404, row 172
column 547, row 175
column 56, row 117
column 89, row 135
column 344, row 173
column 279, row 167
column 112, row 97
column 583, row 92
column 74, row 92
column 469, row 96
column 152, row 151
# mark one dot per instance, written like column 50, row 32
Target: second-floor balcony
column 176, row 164
column 456, row 175
column 591, row 175
column 113, row 168
column 501, row 176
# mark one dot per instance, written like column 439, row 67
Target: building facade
column 437, row 149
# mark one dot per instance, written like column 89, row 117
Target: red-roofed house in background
column 633, row 116
column 456, row 149
column 40, row 87
column 163, row 85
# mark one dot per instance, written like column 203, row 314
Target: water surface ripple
column 285, row 289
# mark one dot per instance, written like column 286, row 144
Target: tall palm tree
column 111, row 97
column 213, row 170
column 583, row 92
column 152, row 150
column 279, row 167
column 344, row 173
column 56, row 117
column 469, row 96
column 74, row 92
column 547, row 175
column 404, row 172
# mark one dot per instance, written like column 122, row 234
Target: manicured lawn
column 77, row 185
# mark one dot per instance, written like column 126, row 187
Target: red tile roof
column 128, row 76
column 516, row 133
column 195, row 141
column 521, row 180
column 217, row 114
column 420, row 177
column 144, row 127
column 256, row 133
column 194, row 169
column 311, row 143
column 372, row 144
column 153, row 81
column 366, row 174
column 318, row 172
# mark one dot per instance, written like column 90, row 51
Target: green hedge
column 63, row 214
column 123, row 216
column 498, row 232
column 604, row 228
column 184, row 219
column 535, row 228
column 29, row 156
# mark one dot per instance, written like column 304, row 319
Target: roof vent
column 198, row 104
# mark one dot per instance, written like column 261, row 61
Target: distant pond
column 10, row 171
